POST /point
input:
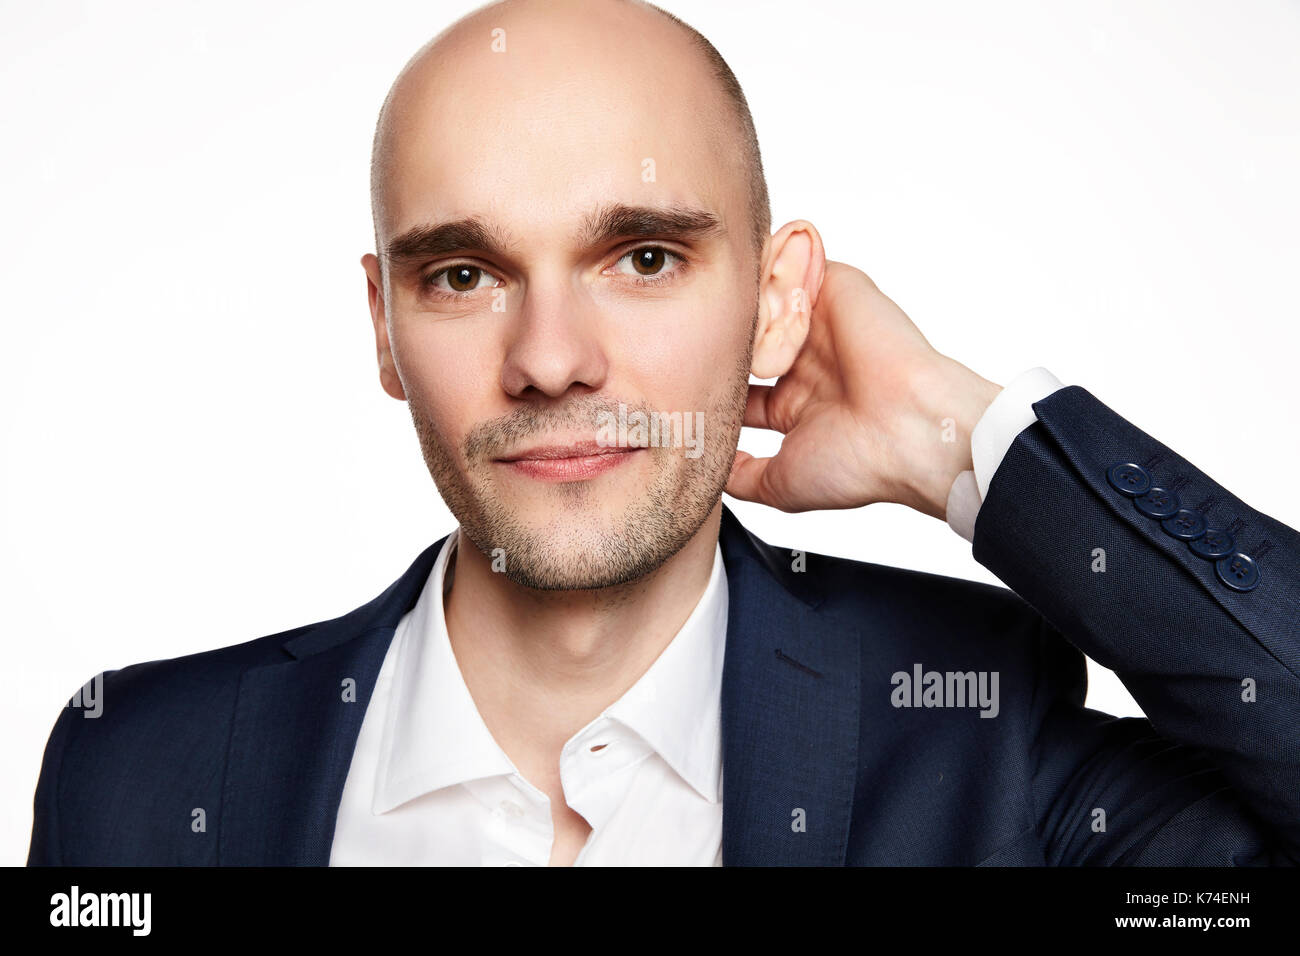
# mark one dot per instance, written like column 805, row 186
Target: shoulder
column 903, row 617
column 162, row 708
column 200, row 689
column 139, row 742
column 899, row 597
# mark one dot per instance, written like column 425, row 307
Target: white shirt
column 1010, row 413
column 429, row 785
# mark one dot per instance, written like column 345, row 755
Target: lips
column 578, row 449
column 574, row 461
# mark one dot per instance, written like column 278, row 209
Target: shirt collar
column 434, row 737
column 675, row 704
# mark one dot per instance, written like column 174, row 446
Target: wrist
column 947, row 403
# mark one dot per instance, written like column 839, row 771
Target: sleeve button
column 1157, row 503
column 1212, row 545
column 1186, row 525
column 1238, row 571
column 1129, row 479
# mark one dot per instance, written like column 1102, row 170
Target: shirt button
column 511, row 809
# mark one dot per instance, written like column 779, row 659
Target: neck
column 546, row 663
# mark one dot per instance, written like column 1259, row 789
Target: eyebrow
column 603, row 224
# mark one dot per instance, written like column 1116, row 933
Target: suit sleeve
column 45, row 848
column 1138, row 559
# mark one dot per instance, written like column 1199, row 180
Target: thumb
column 748, row 480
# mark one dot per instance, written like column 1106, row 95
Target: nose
column 554, row 345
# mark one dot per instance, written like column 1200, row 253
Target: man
column 601, row 666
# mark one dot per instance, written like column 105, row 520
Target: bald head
column 557, row 50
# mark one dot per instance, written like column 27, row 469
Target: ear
column 792, row 270
column 388, row 377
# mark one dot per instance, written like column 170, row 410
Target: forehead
column 534, row 136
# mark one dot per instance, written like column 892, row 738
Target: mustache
column 496, row 436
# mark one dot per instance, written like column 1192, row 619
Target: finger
column 748, row 479
column 756, row 403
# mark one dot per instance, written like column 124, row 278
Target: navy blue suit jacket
column 819, row 765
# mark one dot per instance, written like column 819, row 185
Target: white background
column 196, row 448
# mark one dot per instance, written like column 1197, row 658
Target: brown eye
column 651, row 265
column 648, row 261
column 458, row 281
column 463, row 278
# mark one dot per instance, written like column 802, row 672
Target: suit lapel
column 294, row 732
column 790, row 712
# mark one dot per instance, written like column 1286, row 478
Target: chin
column 553, row 548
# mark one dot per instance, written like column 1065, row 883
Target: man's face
column 594, row 167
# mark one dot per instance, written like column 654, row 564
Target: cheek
column 692, row 354
column 448, row 372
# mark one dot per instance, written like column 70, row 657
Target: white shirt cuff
column 1006, row 417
